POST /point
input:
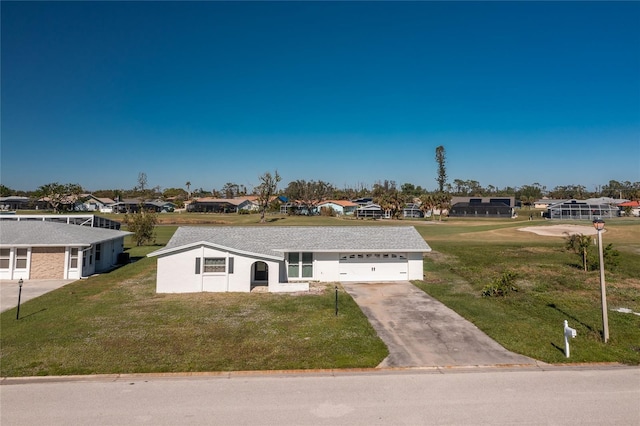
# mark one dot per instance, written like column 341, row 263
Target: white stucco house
column 236, row 259
column 341, row 207
column 32, row 249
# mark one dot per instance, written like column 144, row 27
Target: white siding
column 177, row 272
column 416, row 265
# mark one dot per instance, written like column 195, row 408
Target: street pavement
column 419, row 331
column 541, row 395
column 30, row 289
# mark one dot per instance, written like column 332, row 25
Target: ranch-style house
column 237, row 259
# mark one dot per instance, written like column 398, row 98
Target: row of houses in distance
column 87, row 203
column 469, row 207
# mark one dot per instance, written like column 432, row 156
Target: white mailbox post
column 568, row 333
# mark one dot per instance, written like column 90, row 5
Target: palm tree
column 426, row 204
column 188, row 185
column 579, row 244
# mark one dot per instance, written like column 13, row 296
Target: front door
column 261, row 271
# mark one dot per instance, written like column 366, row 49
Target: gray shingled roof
column 51, row 234
column 275, row 240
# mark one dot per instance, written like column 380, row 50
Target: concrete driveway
column 422, row 332
column 30, row 290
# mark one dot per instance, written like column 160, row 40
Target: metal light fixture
column 599, row 225
column 20, row 282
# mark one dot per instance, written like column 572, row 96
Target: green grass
column 116, row 323
column 551, row 288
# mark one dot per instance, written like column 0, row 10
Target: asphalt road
column 524, row 396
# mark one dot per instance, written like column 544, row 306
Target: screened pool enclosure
column 581, row 210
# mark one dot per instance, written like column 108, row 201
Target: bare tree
column 267, row 188
column 142, row 181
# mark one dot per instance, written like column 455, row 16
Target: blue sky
column 350, row 93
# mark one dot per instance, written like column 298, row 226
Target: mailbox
column 569, row 333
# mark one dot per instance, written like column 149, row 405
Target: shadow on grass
column 558, row 348
column 587, row 326
column 33, row 313
column 275, row 219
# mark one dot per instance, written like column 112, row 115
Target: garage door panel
column 373, row 267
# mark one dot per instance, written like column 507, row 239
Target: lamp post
column 20, row 282
column 599, row 225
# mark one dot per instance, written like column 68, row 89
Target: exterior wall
column 416, row 266
column 47, row 263
column 109, row 251
column 326, row 267
column 177, row 272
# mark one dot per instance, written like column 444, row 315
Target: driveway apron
column 419, row 331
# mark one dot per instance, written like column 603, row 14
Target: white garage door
column 373, row 267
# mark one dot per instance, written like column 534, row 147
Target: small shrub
column 502, row 286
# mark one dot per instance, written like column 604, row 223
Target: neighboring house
column 481, row 210
column 47, row 250
column 576, row 209
column 88, row 202
column 370, row 211
column 222, row 259
column 509, row 201
column 133, row 205
column 160, row 206
column 412, row 210
column 341, row 207
column 634, row 205
column 72, row 219
column 217, row 205
column 13, row 202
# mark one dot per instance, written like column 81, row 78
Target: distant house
column 482, row 207
column 578, row 210
column 633, row 205
column 412, row 210
column 225, row 259
column 14, row 202
column 48, row 250
column 341, row 207
column 370, row 211
column 221, row 205
column 133, row 205
column 91, row 203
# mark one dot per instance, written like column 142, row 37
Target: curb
column 449, row 369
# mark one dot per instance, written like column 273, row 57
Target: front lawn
column 551, row 288
column 116, row 323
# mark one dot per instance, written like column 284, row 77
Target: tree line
column 308, row 193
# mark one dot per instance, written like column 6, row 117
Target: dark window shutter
column 197, row 265
column 231, row 265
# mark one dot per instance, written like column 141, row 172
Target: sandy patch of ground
column 560, row 230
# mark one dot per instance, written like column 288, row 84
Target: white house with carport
column 49, row 250
column 237, row 259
